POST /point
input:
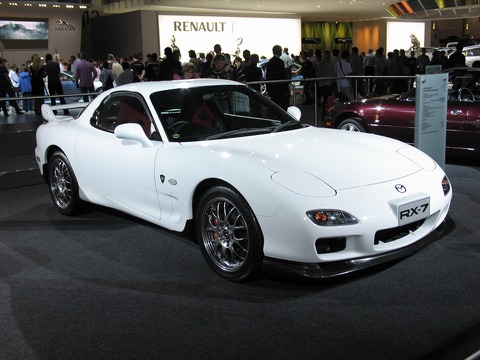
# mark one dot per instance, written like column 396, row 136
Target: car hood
column 341, row 159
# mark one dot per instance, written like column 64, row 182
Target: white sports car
column 259, row 186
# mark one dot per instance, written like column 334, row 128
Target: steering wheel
column 453, row 96
column 465, row 94
column 176, row 126
column 218, row 124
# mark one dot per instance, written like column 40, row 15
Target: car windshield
column 458, row 79
column 218, row 112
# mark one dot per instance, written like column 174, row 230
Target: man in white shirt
column 288, row 63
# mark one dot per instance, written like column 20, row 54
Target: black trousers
column 11, row 94
column 56, row 88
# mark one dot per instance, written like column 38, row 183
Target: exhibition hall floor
column 104, row 285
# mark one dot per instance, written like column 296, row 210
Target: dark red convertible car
column 394, row 115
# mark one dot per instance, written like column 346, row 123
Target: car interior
column 197, row 115
column 120, row 110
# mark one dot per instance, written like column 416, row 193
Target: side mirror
column 295, row 112
column 134, row 132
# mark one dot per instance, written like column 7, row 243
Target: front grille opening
column 330, row 245
column 392, row 234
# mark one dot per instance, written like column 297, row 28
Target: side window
column 475, row 52
column 133, row 111
column 118, row 110
column 105, row 118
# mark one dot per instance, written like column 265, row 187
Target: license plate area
column 409, row 210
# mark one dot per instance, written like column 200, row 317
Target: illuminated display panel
column 398, row 34
column 234, row 34
column 21, row 33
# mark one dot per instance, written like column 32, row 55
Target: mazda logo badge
column 400, row 188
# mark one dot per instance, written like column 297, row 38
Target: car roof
column 154, row 86
column 471, row 47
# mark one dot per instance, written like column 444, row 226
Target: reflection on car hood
column 342, row 159
column 380, row 98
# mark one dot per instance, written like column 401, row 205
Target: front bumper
column 326, row 270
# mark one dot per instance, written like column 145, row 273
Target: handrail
column 334, row 78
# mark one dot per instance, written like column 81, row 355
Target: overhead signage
column 199, row 26
column 234, row 34
column 63, row 25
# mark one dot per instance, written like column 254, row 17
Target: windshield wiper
column 239, row 132
column 289, row 124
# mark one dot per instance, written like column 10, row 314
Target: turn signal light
column 446, row 185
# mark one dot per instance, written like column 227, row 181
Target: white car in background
column 258, row 186
column 472, row 55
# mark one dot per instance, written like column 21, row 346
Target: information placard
column 431, row 115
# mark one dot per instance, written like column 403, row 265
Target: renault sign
column 234, row 34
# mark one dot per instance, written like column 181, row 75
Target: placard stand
column 431, row 115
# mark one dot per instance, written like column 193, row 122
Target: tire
column 229, row 235
column 351, row 125
column 63, row 185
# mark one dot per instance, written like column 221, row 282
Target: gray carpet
column 106, row 286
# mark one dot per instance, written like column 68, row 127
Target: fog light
column 445, row 185
column 330, row 245
column 331, row 217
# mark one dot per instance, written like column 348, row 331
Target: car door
column 470, row 139
column 456, row 116
column 397, row 120
column 120, row 171
column 69, row 87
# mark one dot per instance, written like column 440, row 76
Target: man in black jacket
column 457, row 59
column 52, row 71
column 278, row 92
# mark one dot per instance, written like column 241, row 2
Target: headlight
column 446, row 185
column 331, row 217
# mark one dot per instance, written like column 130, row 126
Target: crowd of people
column 352, row 75
column 22, row 83
column 333, row 70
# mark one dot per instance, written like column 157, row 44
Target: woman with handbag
column 343, row 69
